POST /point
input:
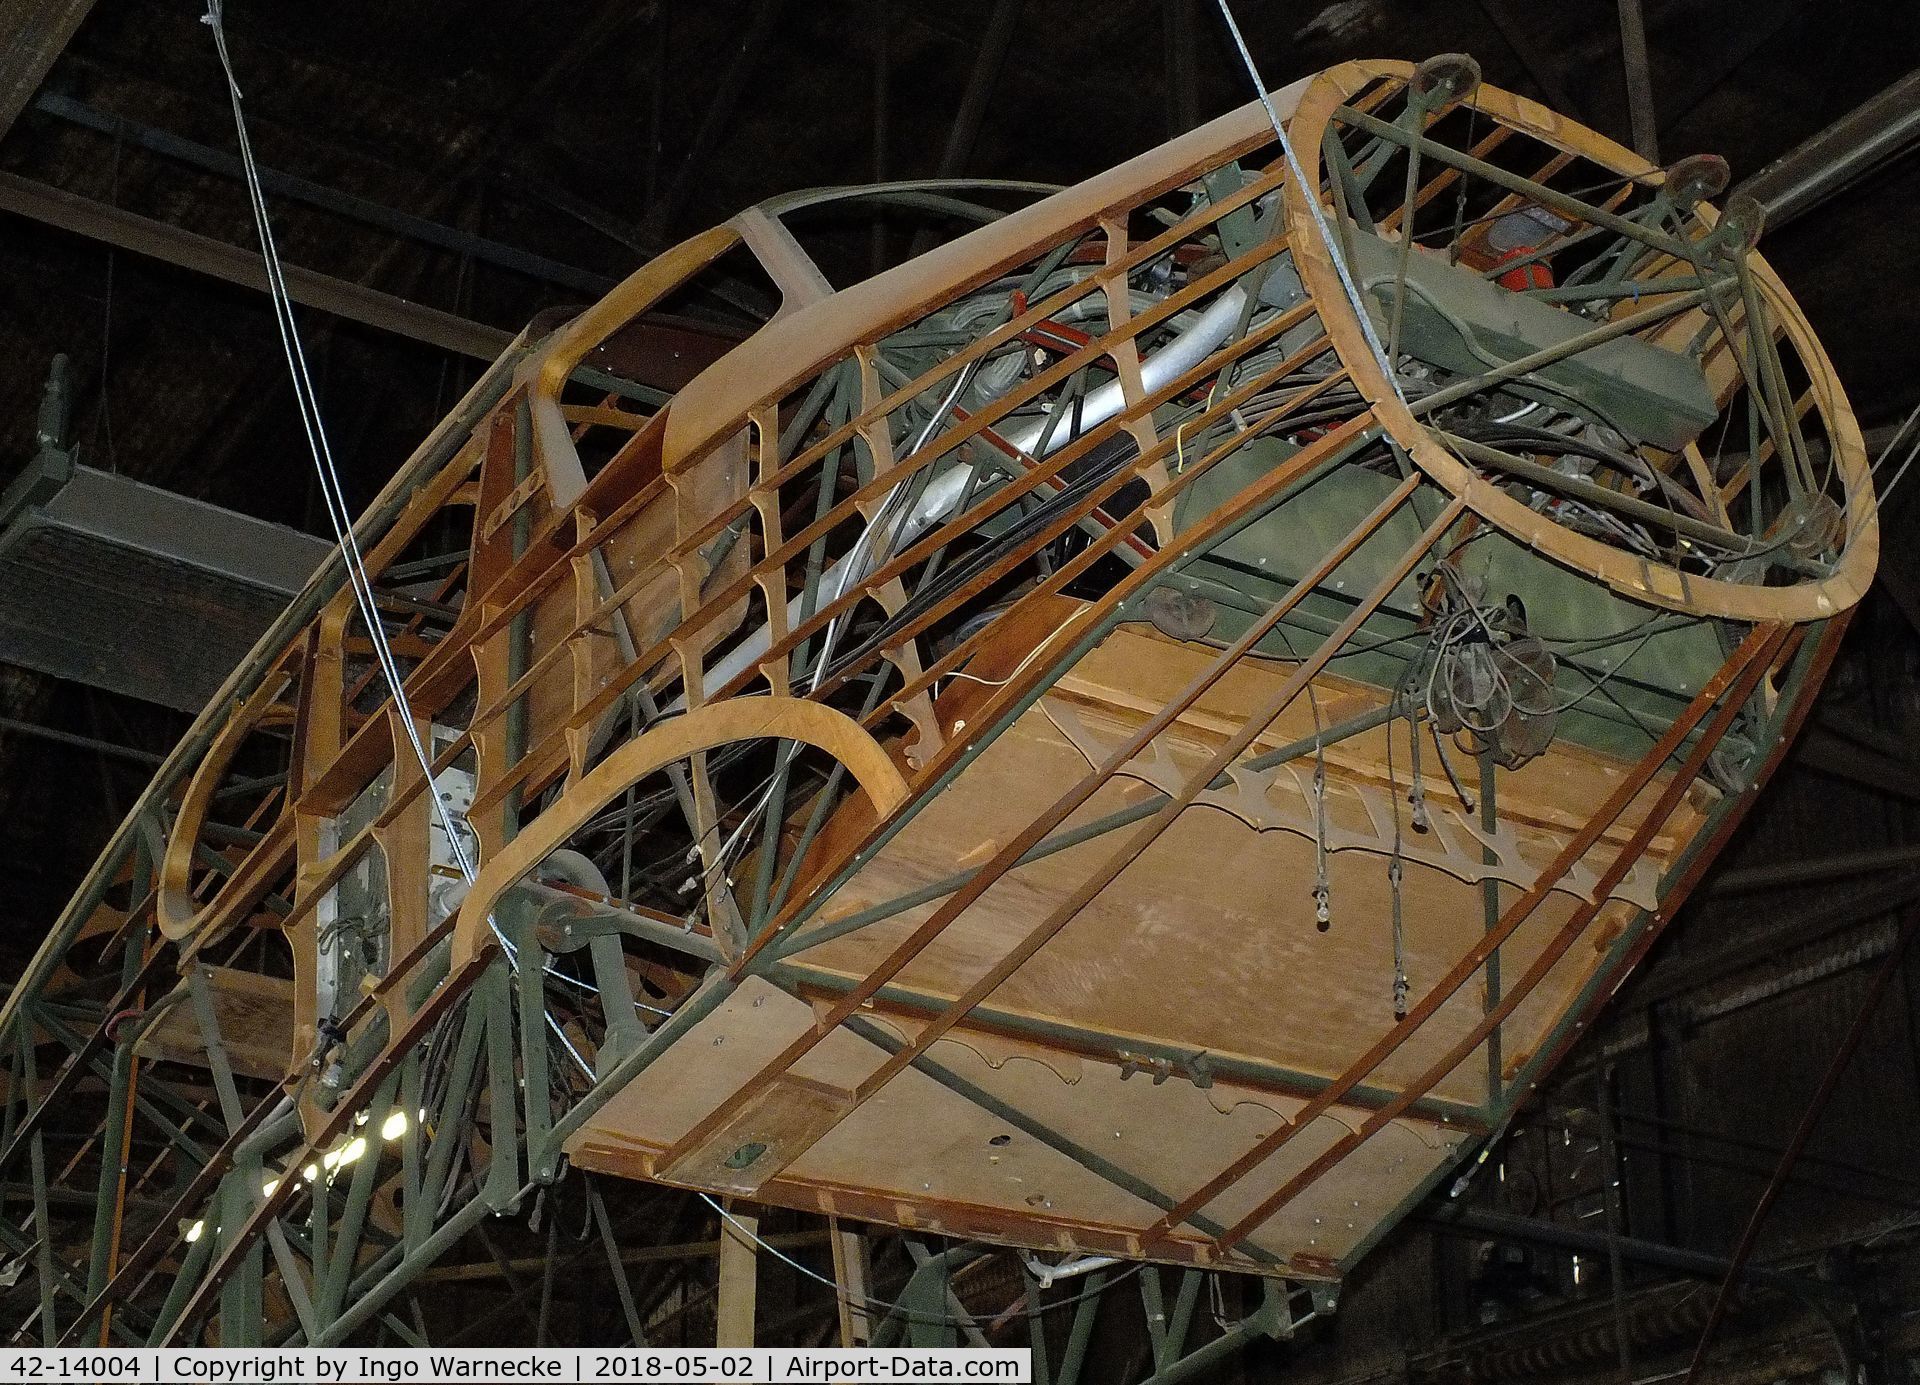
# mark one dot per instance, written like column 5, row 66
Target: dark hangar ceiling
column 488, row 161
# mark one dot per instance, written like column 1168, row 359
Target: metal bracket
column 1196, row 1069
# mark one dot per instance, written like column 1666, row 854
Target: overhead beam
column 1871, row 134
column 1763, row 946
column 1826, row 753
column 15, row 726
column 1849, row 727
column 1812, row 870
column 718, row 115
column 629, row 1255
column 964, row 133
column 1504, row 1226
column 384, row 312
column 1760, row 23
column 33, row 33
column 1182, row 19
column 882, row 119
column 1518, row 33
column 1639, row 74
column 286, row 186
column 1901, row 588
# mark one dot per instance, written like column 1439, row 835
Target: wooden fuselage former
column 1143, row 730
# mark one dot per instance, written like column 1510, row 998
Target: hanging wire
column 1322, row 882
column 1440, row 749
column 1322, row 888
column 1312, row 197
column 1416, row 794
column 1394, row 862
column 317, row 441
column 334, row 492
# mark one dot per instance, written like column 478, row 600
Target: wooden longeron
column 1143, row 730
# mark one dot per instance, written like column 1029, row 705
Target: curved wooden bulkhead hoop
column 174, row 906
column 1636, row 578
column 703, row 728
column 545, row 372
